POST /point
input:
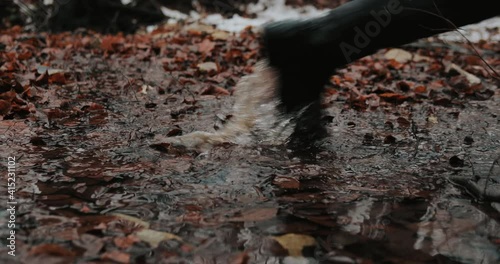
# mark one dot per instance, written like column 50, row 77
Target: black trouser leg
column 307, row 52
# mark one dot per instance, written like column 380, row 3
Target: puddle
column 376, row 190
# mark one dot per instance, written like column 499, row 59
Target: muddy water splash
column 256, row 118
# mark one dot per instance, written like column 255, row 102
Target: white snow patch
column 266, row 11
column 173, row 14
column 488, row 29
column 275, row 10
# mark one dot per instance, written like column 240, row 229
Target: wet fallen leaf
column 432, row 119
column 132, row 219
column 206, row 46
column 207, row 67
column 256, row 214
column 472, row 79
column 214, row 90
column 399, row 55
column 57, row 78
column 125, row 242
column 403, row 122
column 420, row 89
column 455, row 161
column 111, row 43
column 468, row 140
column 295, row 243
column 220, row 35
column 393, row 97
column 51, row 249
column 155, row 237
column 5, row 107
column 286, row 182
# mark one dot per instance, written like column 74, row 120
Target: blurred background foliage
column 111, row 16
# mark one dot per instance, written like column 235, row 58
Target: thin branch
column 466, row 39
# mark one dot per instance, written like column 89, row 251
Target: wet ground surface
column 387, row 185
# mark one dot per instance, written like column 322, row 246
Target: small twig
column 466, row 39
column 490, row 172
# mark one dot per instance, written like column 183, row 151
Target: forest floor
column 414, row 137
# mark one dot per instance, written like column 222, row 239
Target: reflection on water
column 455, row 228
column 451, row 227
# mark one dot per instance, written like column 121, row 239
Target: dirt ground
column 400, row 179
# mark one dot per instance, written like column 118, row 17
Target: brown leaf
column 241, row 258
column 111, row 43
column 404, row 86
column 125, row 242
column 177, row 131
column 24, row 55
column 8, row 96
column 393, row 97
column 206, row 46
column 43, row 79
column 295, row 243
column 5, row 107
column 57, row 78
column 420, row 89
column 214, row 90
column 443, row 102
column 51, row 249
column 256, row 214
column 286, row 182
column 403, row 122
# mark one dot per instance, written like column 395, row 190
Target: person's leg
column 307, row 52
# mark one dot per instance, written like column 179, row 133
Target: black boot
column 307, row 52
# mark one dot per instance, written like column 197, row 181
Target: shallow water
column 354, row 199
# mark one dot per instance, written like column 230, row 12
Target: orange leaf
column 111, row 43
column 206, row 46
column 335, row 79
column 50, row 249
column 393, row 97
column 420, row 89
column 58, row 78
column 214, row 90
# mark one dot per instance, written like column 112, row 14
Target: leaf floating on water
column 256, row 214
column 295, row 243
column 51, row 249
column 286, row 182
column 155, row 237
column 132, row 219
